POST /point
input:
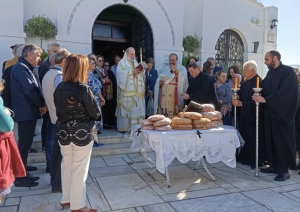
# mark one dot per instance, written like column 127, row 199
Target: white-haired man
column 246, row 114
column 131, row 89
column 43, row 69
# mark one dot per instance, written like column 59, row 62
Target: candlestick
column 235, row 82
column 235, row 90
column 141, row 54
column 257, row 82
column 257, row 91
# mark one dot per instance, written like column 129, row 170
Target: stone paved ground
column 121, row 183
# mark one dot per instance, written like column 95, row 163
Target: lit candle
column 257, row 82
column 235, row 82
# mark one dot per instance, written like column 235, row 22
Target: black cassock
column 280, row 89
column 247, row 121
column 201, row 90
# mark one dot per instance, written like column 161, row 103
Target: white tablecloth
column 217, row 144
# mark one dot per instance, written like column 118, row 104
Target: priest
column 130, row 92
column 201, row 87
column 246, row 114
column 280, row 99
column 171, row 82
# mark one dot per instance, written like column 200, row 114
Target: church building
column 232, row 31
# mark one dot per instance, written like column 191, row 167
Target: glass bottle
column 162, row 112
column 166, row 112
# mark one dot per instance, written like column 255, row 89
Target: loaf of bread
column 182, row 127
column 164, row 122
column 202, row 124
column 181, row 121
column 208, row 108
column 190, row 115
column 163, row 128
column 155, row 118
column 147, row 127
column 214, row 116
column 146, row 122
column 217, row 123
column 202, row 121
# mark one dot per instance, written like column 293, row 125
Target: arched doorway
column 119, row 27
column 230, row 50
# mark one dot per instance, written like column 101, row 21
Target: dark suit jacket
column 216, row 69
column 6, row 94
column 43, row 69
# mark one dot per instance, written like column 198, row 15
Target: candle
column 257, row 82
column 235, row 82
column 141, row 54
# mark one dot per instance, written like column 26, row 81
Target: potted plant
column 190, row 44
column 41, row 27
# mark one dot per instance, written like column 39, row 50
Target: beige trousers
column 74, row 171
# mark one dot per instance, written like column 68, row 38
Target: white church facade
column 232, row 31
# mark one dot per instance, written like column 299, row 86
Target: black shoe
column 30, row 168
column 48, row 169
column 269, row 170
column 32, row 150
column 98, row 132
column 32, row 178
column 25, row 182
column 282, row 176
column 56, row 190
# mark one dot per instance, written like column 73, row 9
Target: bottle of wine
column 157, row 112
column 166, row 112
column 162, row 112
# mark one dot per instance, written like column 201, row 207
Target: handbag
column 150, row 107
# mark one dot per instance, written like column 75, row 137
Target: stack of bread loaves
column 184, row 121
column 215, row 117
column 157, row 122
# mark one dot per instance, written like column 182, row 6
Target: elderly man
column 247, row 114
column 201, row 87
column 14, row 60
column 51, row 79
column 215, row 68
column 170, row 84
column 43, row 69
column 280, row 97
column 28, row 103
column 131, row 89
column 114, row 67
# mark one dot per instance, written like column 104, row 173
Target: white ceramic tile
column 111, row 171
column 187, row 184
column 221, row 203
column 193, row 194
column 96, row 197
column 132, row 191
column 273, row 200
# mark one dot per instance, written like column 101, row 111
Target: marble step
column 105, row 150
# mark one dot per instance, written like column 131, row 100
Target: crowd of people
column 78, row 95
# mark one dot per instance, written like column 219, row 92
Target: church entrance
column 119, row 27
column 230, row 50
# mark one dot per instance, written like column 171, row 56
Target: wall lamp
column 274, row 23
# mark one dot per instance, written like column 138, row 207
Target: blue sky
column 288, row 40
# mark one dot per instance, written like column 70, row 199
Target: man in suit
column 216, row 68
column 43, row 69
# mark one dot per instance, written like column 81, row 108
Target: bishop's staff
column 235, row 89
column 257, row 90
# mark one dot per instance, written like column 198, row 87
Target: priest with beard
column 280, row 98
column 201, row 87
column 246, row 114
